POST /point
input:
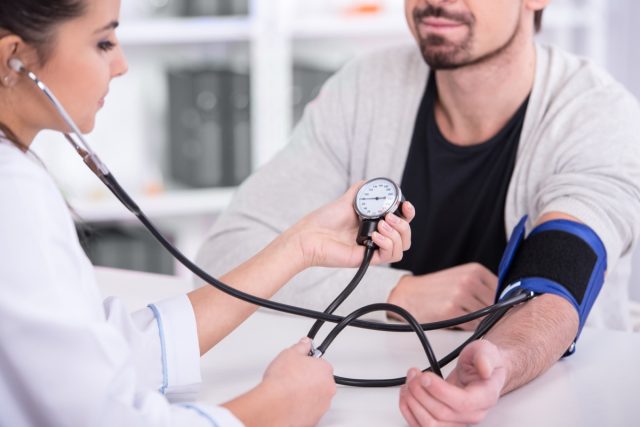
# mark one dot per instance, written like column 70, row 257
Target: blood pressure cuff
column 559, row 257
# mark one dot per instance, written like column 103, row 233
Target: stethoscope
column 374, row 200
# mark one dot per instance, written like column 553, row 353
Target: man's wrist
column 396, row 296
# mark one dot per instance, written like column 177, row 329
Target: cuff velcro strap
column 559, row 257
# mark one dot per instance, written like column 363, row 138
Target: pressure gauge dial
column 375, row 199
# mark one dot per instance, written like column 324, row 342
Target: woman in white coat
column 67, row 358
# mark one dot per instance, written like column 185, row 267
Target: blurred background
column 215, row 87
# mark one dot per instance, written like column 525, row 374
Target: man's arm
column 533, row 336
column 523, row 345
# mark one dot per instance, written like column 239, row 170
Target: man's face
column 457, row 33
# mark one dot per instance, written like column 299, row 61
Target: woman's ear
column 9, row 47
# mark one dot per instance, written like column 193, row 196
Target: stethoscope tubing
column 301, row 311
column 494, row 312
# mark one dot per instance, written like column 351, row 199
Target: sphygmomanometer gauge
column 374, row 200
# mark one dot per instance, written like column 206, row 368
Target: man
column 481, row 126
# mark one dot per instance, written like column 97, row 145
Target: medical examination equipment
column 374, row 200
column 547, row 261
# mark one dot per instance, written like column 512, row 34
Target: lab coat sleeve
column 62, row 361
column 314, row 169
column 164, row 345
column 66, row 370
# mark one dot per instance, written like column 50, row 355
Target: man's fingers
column 462, row 400
column 438, row 410
column 404, row 407
column 487, row 278
column 474, row 300
column 420, row 414
column 426, row 419
column 484, row 296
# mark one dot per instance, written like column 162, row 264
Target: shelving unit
column 340, row 28
column 131, row 134
column 163, row 206
column 180, row 31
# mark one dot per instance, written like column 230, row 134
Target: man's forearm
column 533, row 336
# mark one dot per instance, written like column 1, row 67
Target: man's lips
column 440, row 23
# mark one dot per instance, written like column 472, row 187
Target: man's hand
column 464, row 398
column 446, row 294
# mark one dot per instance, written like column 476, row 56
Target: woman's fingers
column 403, row 228
column 393, row 237
column 408, row 211
column 393, row 252
column 385, row 247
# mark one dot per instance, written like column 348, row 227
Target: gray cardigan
column 579, row 154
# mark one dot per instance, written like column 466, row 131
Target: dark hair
column 35, row 21
column 537, row 20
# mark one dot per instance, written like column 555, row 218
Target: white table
column 597, row 386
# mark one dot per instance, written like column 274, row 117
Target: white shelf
column 180, row 31
column 341, row 27
column 173, row 204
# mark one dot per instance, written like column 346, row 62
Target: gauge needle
column 372, row 198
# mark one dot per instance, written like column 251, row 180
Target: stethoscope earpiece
column 16, row 65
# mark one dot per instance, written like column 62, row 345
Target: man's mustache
column 431, row 11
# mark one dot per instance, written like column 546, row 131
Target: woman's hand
column 304, row 382
column 327, row 236
column 296, row 391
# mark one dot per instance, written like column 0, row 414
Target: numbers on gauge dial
column 376, row 198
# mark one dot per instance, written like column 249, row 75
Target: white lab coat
column 66, row 357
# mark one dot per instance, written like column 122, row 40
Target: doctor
column 66, row 357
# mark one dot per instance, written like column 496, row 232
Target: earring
column 5, row 80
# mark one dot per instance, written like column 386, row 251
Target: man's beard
column 442, row 54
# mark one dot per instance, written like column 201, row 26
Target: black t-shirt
column 459, row 193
